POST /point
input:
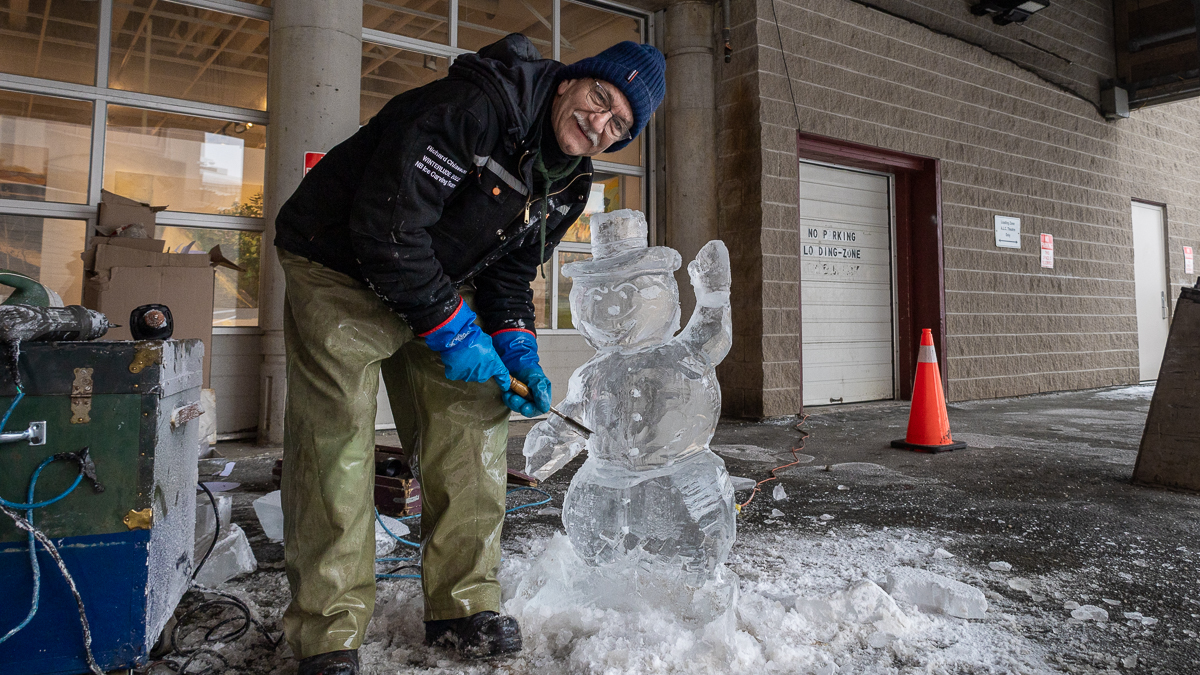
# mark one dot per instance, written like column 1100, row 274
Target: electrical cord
column 786, row 72
column 236, row 626
column 216, row 530
column 24, row 524
column 758, row 486
column 229, row 628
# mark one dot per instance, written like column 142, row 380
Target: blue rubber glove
column 518, row 350
column 467, row 352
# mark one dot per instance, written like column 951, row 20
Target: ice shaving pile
column 804, row 604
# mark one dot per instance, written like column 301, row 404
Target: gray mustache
column 592, row 134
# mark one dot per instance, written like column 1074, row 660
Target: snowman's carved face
column 625, row 312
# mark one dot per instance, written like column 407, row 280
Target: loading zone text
column 823, row 251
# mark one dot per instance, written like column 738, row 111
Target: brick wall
column 740, row 208
column 1010, row 142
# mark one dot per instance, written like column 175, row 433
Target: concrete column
column 691, row 175
column 312, row 96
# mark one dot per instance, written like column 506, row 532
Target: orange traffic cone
column 928, row 424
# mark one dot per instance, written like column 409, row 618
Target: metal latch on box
column 139, row 519
column 81, row 396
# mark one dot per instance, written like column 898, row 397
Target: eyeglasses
column 601, row 101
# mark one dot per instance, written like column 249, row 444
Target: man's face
column 581, row 127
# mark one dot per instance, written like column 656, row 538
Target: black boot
column 330, row 663
column 478, row 636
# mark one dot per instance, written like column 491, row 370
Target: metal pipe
column 726, row 31
column 35, row 434
column 1143, row 42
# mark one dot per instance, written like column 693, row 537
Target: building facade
column 919, row 125
column 876, row 168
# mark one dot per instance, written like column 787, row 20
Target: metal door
column 1150, row 287
column 846, row 280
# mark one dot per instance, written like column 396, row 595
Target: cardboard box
column 122, row 277
column 120, row 214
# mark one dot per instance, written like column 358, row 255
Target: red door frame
column 920, row 276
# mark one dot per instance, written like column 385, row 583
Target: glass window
column 45, row 147
column 54, row 39
column 193, row 164
column 563, row 299
column 387, row 71
column 610, row 192
column 46, row 249
column 587, row 31
column 191, row 53
column 482, row 22
column 235, row 294
column 420, row 19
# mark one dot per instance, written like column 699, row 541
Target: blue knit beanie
column 637, row 70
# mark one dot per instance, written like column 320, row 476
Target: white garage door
column 846, row 285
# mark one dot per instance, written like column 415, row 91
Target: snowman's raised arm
column 552, row 443
column 710, row 330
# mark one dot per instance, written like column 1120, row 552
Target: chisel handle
column 519, row 387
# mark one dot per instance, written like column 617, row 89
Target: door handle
column 1164, row 304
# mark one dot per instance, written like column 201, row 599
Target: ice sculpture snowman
column 650, row 490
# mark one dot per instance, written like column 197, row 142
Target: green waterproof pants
column 339, row 336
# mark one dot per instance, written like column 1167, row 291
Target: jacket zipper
column 490, row 258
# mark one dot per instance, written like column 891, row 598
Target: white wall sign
column 1008, row 232
column 1189, row 267
column 1048, row 251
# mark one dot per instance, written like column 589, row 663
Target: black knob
column 151, row 322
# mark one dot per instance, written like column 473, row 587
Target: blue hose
column 28, row 507
column 414, row 544
column 11, row 408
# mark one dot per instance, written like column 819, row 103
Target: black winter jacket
column 437, row 189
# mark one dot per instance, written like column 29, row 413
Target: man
column 434, row 215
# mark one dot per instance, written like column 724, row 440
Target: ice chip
column 740, row 483
column 935, row 593
column 864, row 602
column 779, row 494
column 205, row 524
column 776, row 513
column 270, row 515
column 826, row 517
column 230, row 558
column 942, row 554
column 385, row 543
column 1110, row 601
column 1070, row 605
column 1020, row 584
column 1000, row 566
column 1130, row 662
column 1090, row 613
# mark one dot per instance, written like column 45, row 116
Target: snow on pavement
column 805, row 605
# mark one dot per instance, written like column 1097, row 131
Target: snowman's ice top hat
column 620, row 248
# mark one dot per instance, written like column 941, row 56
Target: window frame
column 100, row 96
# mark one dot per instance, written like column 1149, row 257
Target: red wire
column 758, row 485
